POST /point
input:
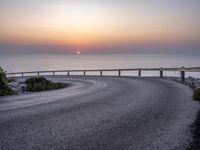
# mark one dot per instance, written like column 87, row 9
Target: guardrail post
column 139, row 72
column 84, row 72
column 161, row 72
column 183, row 75
column 68, row 73
column 38, row 74
column 53, row 73
column 22, row 74
column 101, row 73
column 119, row 72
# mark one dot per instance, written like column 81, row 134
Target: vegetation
column 4, row 88
column 38, row 84
column 196, row 95
column 196, row 134
column 35, row 84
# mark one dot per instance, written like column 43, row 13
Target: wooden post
column 139, row 72
column 38, row 74
column 101, row 73
column 68, row 73
column 53, row 73
column 119, row 72
column 182, row 75
column 22, row 74
column 84, row 72
column 161, row 72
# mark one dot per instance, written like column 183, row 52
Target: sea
column 44, row 62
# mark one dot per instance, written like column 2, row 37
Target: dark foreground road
column 100, row 113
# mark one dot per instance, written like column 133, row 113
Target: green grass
column 196, row 95
column 38, row 84
column 4, row 88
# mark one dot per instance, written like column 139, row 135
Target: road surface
column 100, row 113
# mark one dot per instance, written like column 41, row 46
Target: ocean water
column 35, row 62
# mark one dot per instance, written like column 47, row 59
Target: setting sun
column 100, row 74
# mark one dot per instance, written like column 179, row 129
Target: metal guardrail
column 182, row 71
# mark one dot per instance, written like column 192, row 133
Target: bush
column 4, row 88
column 196, row 95
column 3, row 78
column 38, row 84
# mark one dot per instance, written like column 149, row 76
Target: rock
column 18, row 87
column 190, row 81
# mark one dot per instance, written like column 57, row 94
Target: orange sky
column 93, row 23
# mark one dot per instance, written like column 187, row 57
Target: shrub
column 39, row 80
column 3, row 78
column 38, row 84
column 196, row 95
column 4, row 88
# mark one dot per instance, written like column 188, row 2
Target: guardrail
column 139, row 70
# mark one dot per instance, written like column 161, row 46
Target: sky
column 99, row 26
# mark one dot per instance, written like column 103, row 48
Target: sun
column 78, row 52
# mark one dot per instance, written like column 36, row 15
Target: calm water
column 18, row 62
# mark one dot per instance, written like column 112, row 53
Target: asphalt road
column 100, row 113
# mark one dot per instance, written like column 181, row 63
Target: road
column 100, row 113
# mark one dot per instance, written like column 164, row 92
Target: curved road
column 100, row 113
